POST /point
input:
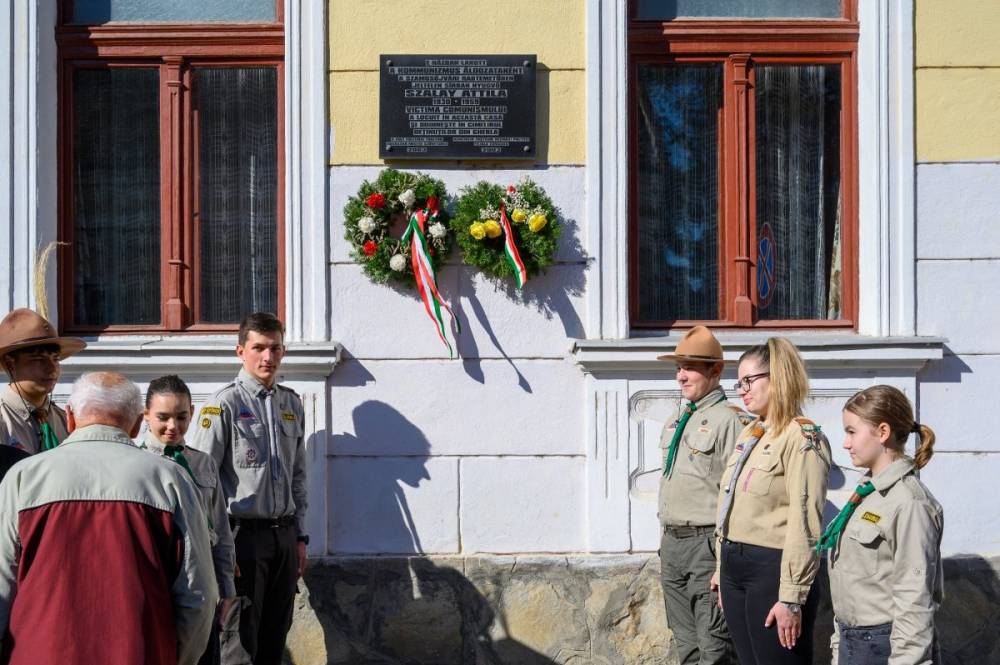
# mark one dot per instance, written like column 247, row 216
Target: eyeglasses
column 747, row 381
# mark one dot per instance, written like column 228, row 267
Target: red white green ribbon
column 510, row 249
column 423, row 271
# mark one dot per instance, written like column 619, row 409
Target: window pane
column 678, row 191
column 238, row 123
column 116, row 196
column 798, row 192
column 91, row 12
column 670, row 9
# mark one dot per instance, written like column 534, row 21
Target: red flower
column 370, row 247
column 376, row 201
column 511, row 189
column 432, row 203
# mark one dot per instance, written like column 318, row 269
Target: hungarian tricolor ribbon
column 423, row 270
column 510, row 249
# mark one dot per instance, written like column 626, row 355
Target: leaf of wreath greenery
column 391, row 183
column 536, row 248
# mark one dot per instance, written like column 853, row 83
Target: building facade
column 499, row 506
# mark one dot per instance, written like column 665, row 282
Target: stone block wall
column 517, row 610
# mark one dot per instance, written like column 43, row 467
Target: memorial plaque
column 457, row 106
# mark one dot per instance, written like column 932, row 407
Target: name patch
column 211, row 411
column 871, row 517
column 290, row 417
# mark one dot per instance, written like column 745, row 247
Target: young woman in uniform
column 770, row 512
column 885, row 545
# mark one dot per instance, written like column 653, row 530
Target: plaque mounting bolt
column 526, row 63
column 388, row 147
column 388, row 63
column 526, row 148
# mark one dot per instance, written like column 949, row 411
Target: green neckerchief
column 689, row 410
column 176, row 453
column 47, row 438
column 832, row 533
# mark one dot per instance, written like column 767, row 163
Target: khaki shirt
column 234, row 429
column 778, row 501
column 688, row 496
column 887, row 565
column 18, row 428
column 206, row 479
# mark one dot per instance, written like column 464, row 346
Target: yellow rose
column 477, row 230
column 537, row 222
column 518, row 216
column 493, row 229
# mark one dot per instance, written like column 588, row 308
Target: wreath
column 510, row 232
column 377, row 218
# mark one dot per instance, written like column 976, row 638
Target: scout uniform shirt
column 17, row 422
column 254, row 435
column 778, row 499
column 206, row 478
column 690, row 491
column 886, row 568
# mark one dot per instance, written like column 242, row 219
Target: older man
column 696, row 441
column 30, row 352
column 104, row 548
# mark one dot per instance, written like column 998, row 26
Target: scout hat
column 698, row 345
column 23, row 328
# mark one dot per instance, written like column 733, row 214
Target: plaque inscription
column 457, row 106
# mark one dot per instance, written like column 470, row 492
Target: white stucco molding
column 206, row 360
column 886, row 188
column 820, row 351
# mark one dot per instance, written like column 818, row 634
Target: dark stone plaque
column 457, row 106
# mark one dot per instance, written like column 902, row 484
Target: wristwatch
column 303, row 539
column 794, row 608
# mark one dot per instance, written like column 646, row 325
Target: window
column 171, row 164
column 743, row 165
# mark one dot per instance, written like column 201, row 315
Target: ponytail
column 925, row 447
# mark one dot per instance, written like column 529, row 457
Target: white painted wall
column 958, row 270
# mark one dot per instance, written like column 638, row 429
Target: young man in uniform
column 252, row 428
column 30, row 351
column 697, row 440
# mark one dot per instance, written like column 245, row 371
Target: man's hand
column 789, row 624
column 302, row 558
column 713, row 586
column 225, row 607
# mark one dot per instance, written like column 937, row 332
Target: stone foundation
column 580, row 610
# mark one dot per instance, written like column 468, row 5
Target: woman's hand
column 713, row 585
column 789, row 624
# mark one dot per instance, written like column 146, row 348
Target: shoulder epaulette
column 808, row 425
column 744, row 417
column 281, row 387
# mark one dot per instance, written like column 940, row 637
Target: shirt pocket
column 250, row 448
column 759, row 478
column 291, row 429
column 699, row 449
column 864, row 541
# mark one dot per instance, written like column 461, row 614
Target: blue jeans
column 865, row 645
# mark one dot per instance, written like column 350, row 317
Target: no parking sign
column 765, row 266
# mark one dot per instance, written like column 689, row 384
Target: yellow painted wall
column 957, row 47
column 362, row 29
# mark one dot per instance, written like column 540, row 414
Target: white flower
column 366, row 225
column 408, row 198
column 398, row 262
column 438, row 230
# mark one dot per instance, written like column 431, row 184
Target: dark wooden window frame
column 737, row 44
column 176, row 49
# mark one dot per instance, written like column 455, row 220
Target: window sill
column 206, row 357
column 820, row 350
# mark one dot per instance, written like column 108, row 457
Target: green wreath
column 479, row 228
column 376, row 218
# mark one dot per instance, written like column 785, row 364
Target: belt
column 683, row 531
column 262, row 522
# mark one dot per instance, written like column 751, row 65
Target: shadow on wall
column 400, row 610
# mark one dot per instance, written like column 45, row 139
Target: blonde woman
column 886, row 578
column 770, row 512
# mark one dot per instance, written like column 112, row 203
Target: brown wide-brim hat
column 24, row 328
column 697, row 345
